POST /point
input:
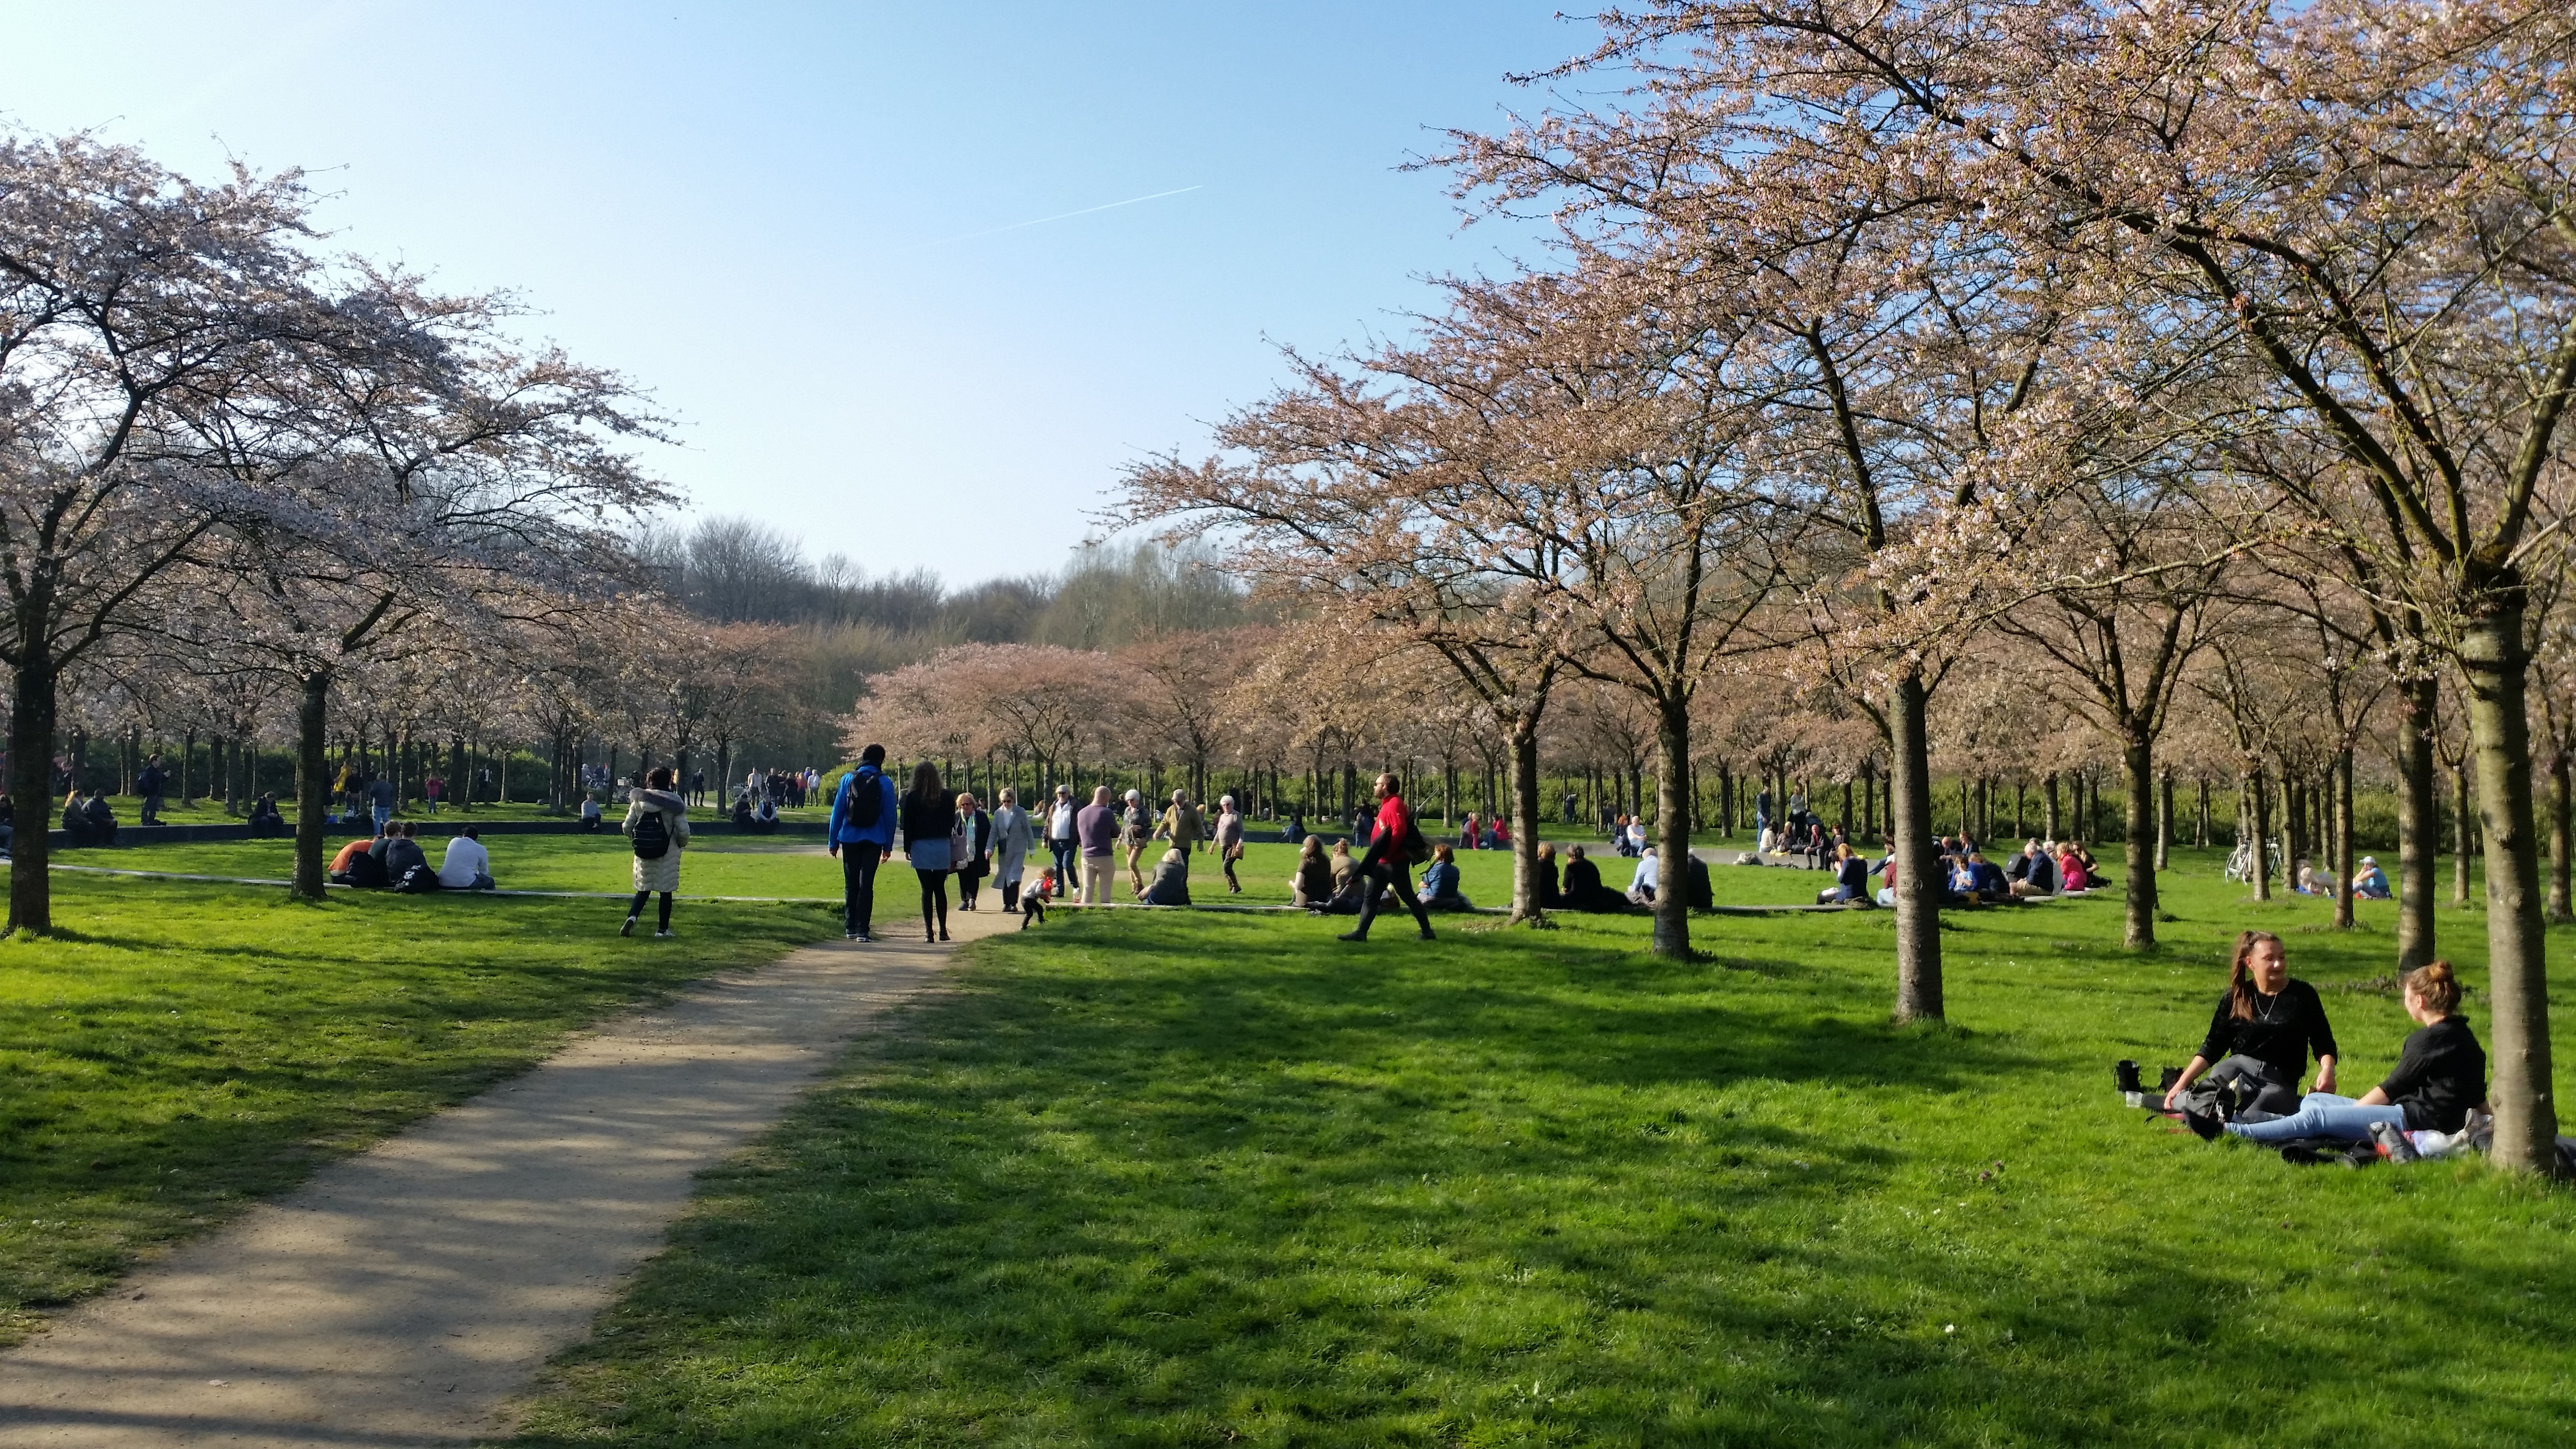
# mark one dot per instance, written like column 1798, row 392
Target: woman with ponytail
column 2263, row 1030
column 2441, row 1075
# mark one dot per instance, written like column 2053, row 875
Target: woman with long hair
column 2440, row 1077
column 929, row 817
column 657, row 828
column 2261, row 1034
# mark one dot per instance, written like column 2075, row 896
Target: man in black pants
column 862, row 835
column 1389, row 862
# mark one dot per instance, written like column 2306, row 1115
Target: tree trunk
column 2459, row 835
column 2053, row 832
column 2258, row 807
column 312, row 784
column 31, row 781
column 2164, row 821
column 2494, row 663
column 2138, row 758
column 1672, row 829
column 2419, row 823
column 2343, row 838
column 2557, row 911
column 2203, row 841
column 1525, row 822
column 1909, row 810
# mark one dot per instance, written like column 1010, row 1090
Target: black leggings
column 637, row 908
column 1392, row 877
column 934, row 895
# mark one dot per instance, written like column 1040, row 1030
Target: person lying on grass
column 2441, row 1076
column 2261, row 1034
column 1440, row 882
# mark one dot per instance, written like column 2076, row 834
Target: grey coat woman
column 1014, row 836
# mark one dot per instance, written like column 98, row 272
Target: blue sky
column 788, row 221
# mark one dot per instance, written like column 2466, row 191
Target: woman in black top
column 928, row 815
column 2263, row 1030
column 1584, row 890
column 2441, row 1075
column 1549, row 897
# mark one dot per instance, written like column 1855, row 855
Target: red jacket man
column 1389, row 861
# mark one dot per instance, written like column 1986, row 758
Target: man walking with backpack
column 862, row 834
column 1389, row 862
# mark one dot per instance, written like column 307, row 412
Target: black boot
column 2124, row 1076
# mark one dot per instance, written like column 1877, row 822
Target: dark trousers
column 859, row 885
column 1065, row 875
column 637, row 908
column 1396, row 878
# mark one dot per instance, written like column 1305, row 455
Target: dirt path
column 403, row 1297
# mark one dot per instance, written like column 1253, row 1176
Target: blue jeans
column 382, row 813
column 2322, row 1114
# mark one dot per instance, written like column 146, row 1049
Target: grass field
column 179, row 1049
column 1165, row 1179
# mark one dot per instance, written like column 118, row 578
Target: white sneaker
column 664, row 935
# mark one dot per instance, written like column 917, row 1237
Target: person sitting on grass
column 1499, row 834
column 1549, row 896
column 2035, row 873
column 1851, row 879
column 1987, row 878
column 2073, row 878
column 1650, row 874
column 1344, row 866
column 2370, row 883
column 765, row 820
column 1584, row 890
column 1467, row 831
column 2440, row 1077
column 1312, row 886
column 358, row 864
column 101, row 819
column 1171, row 883
column 75, row 823
column 589, row 811
column 740, row 817
column 406, row 865
column 264, row 818
column 1440, row 882
column 2260, row 1036
column 467, row 866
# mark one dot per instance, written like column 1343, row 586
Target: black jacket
column 2280, row 1034
column 2440, row 1075
column 931, row 820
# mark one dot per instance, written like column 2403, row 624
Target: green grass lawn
column 1166, row 1179
column 180, row 1049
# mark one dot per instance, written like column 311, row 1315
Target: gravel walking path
column 407, row 1295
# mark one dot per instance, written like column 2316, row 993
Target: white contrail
column 1086, row 211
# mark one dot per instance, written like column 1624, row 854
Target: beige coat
column 662, row 874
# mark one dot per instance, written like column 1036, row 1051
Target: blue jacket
column 847, row 832
column 1439, row 881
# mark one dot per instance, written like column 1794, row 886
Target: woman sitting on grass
column 2441, row 1076
column 1549, row 896
column 1171, row 883
column 1344, row 866
column 1312, row 885
column 2260, row 1036
column 1851, row 879
column 1440, row 882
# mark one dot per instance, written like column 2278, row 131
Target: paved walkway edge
column 408, row 1295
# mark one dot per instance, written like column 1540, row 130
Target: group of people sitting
column 87, row 819
column 2369, row 882
column 1968, row 878
column 755, row 819
column 2244, row 1080
column 1490, row 832
column 395, row 861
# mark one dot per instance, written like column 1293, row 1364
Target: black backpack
column 867, row 800
column 652, row 838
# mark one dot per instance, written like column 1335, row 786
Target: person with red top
column 1389, row 862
